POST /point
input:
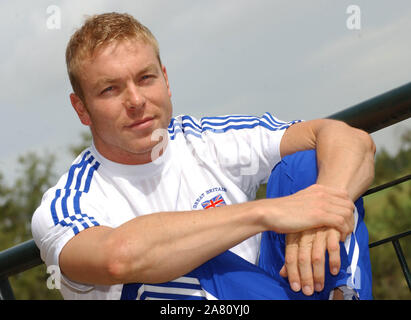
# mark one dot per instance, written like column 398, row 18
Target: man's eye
column 107, row 90
column 147, row 77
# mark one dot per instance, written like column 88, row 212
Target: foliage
column 388, row 167
column 17, row 204
column 86, row 141
column 387, row 213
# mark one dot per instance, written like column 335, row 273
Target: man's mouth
column 141, row 124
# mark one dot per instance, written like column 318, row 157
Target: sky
column 295, row 59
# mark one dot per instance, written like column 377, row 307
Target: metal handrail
column 371, row 115
column 14, row 260
column 19, row 258
column 379, row 112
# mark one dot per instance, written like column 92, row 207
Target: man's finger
column 304, row 262
column 291, row 256
column 333, row 248
column 283, row 272
column 318, row 259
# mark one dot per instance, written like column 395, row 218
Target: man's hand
column 314, row 207
column 305, row 251
column 305, row 258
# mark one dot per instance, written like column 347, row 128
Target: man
column 127, row 211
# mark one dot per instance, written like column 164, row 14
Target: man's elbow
column 369, row 150
column 116, row 271
column 367, row 140
column 362, row 137
column 125, row 264
column 117, row 265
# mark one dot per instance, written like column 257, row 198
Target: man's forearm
column 163, row 246
column 345, row 157
column 157, row 247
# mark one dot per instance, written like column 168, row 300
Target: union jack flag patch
column 217, row 201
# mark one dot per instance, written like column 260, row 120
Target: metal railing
column 14, row 260
column 395, row 240
column 371, row 115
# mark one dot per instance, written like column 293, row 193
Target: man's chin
column 148, row 153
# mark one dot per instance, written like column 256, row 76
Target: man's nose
column 134, row 98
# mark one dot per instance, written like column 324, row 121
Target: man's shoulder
column 75, row 174
column 71, row 198
column 184, row 126
column 191, row 126
column 225, row 123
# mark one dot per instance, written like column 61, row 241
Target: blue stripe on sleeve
column 71, row 225
column 73, row 168
column 274, row 121
column 185, row 132
column 90, row 176
column 246, row 117
column 194, row 123
column 222, row 124
column 53, row 207
column 81, row 173
column 76, row 202
column 183, row 126
column 64, row 203
column 77, row 217
column 245, row 126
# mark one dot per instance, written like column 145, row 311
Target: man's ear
column 81, row 109
column 163, row 68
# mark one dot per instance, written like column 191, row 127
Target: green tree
column 17, row 204
column 85, row 142
column 388, row 213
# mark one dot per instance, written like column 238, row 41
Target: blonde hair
column 99, row 31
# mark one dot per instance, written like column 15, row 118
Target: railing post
column 6, row 292
column 403, row 262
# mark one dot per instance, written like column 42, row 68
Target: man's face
column 126, row 98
